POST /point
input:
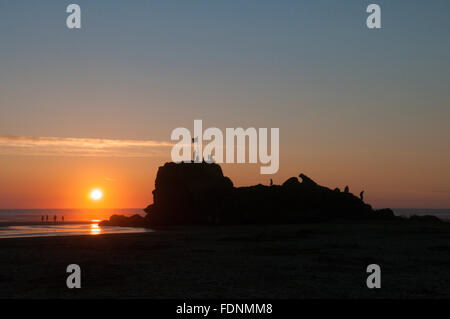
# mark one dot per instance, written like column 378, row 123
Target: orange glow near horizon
column 40, row 182
column 36, row 182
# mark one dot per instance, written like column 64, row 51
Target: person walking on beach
column 42, row 219
column 62, row 218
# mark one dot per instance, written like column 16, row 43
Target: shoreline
column 24, row 223
column 68, row 229
column 173, row 228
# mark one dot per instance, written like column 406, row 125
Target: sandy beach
column 285, row 261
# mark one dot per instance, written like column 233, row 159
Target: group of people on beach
column 44, row 219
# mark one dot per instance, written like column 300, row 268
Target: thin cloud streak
column 62, row 146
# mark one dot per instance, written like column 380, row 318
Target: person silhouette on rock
column 361, row 195
column 346, row 190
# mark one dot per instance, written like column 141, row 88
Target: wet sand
column 290, row 261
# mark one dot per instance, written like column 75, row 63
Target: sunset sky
column 94, row 108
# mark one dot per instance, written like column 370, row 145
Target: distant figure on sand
column 346, row 190
column 42, row 219
column 271, row 182
column 62, row 218
column 361, row 195
column 54, row 219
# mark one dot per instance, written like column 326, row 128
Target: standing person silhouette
column 271, row 182
column 346, row 190
column 42, row 219
column 361, row 195
column 54, row 219
column 62, row 218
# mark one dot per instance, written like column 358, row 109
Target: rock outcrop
column 199, row 193
column 188, row 193
column 124, row 221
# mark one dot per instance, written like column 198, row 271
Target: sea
column 70, row 215
column 443, row 214
column 34, row 223
column 17, row 223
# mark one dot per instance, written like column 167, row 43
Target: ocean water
column 65, row 230
column 87, row 215
column 17, row 223
column 70, row 215
column 443, row 214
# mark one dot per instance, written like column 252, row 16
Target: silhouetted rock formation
column 120, row 220
column 425, row 219
column 188, row 193
column 385, row 213
column 199, row 193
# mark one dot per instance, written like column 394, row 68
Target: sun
column 96, row 194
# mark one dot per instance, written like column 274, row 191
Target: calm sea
column 65, row 230
column 86, row 215
column 16, row 223
column 443, row 214
column 70, row 215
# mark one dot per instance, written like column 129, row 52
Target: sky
column 95, row 107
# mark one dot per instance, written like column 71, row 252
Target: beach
column 271, row 261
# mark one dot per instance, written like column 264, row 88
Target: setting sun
column 96, row 194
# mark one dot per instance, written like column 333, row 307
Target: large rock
column 199, row 193
column 294, row 202
column 188, row 193
column 124, row 221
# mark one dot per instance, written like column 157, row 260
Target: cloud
column 62, row 146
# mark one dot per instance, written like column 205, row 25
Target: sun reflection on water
column 95, row 229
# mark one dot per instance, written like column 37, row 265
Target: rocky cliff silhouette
column 199, row 194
